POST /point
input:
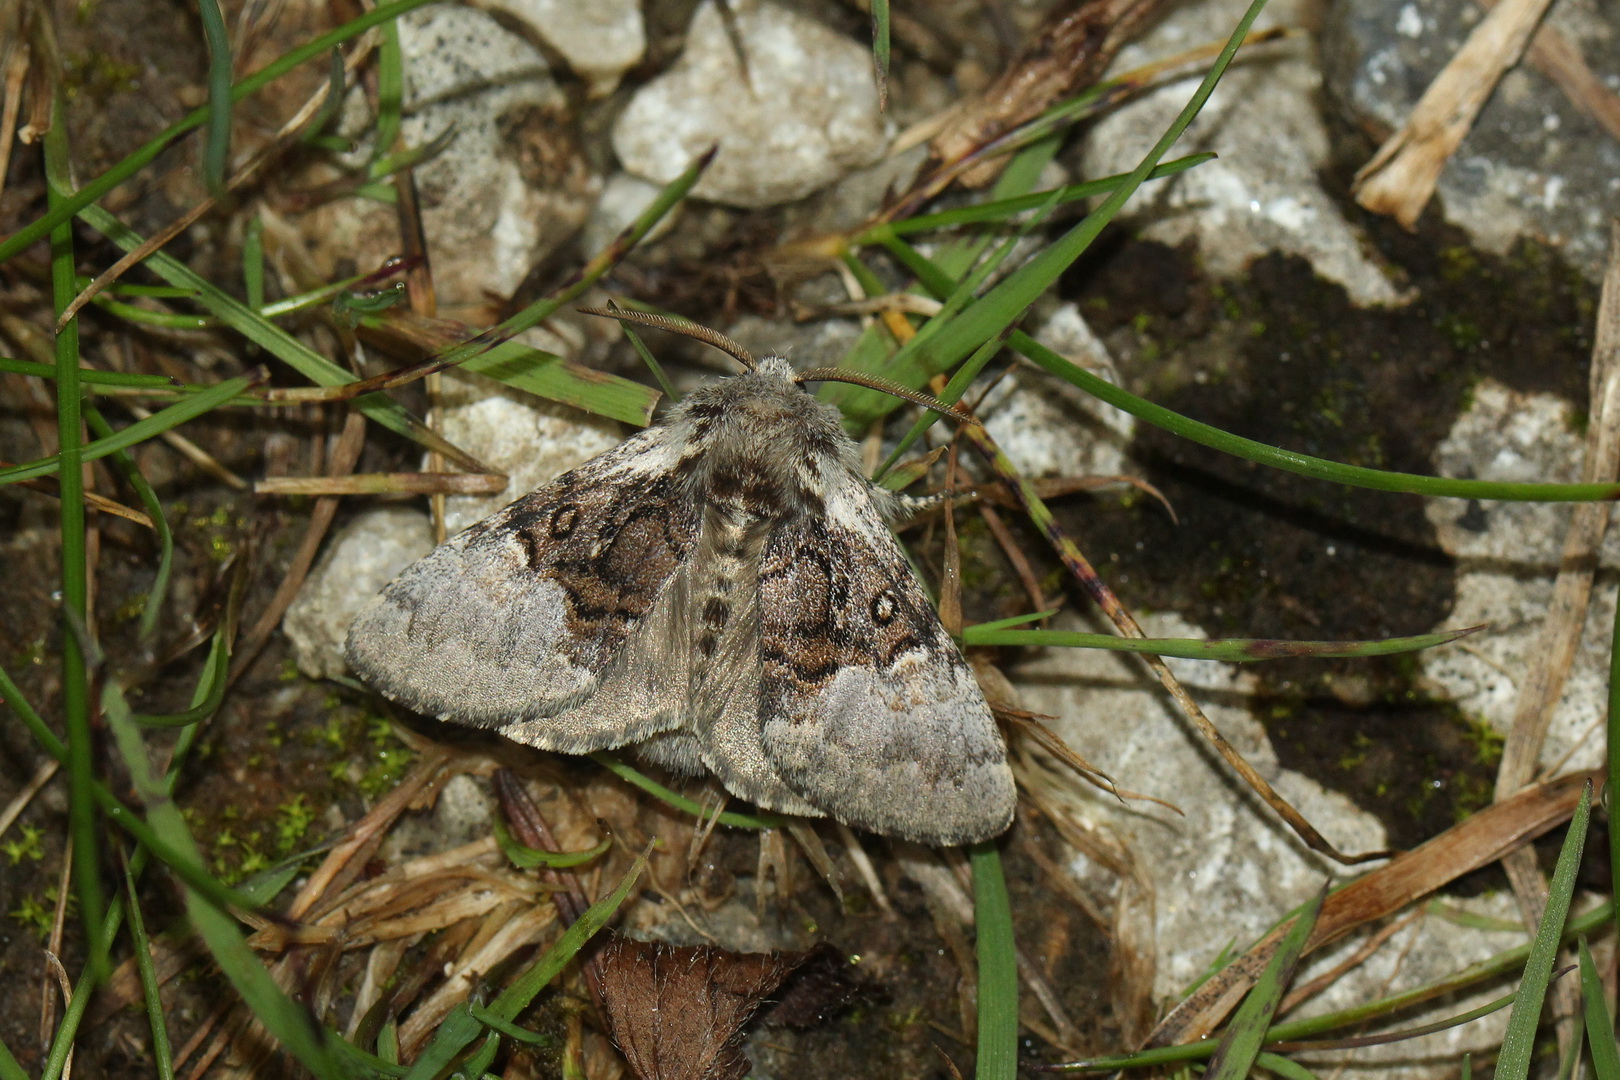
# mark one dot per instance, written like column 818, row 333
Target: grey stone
column 600, row 40
column 511, row 185
column 364, row 556
column 1262, row 194
column 1049, row 428
column 1533, row 165
column 1226, row 871
column 803, row 115
column 1507, row 557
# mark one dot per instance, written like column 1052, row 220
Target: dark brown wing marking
column 867, row 709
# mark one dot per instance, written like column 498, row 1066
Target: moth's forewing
column 520, row 617
column 868, row 710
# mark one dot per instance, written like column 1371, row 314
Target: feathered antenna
column 677, row 326
column 884, row 386
column 746, row 359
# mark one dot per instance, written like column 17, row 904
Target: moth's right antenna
column 677, row 326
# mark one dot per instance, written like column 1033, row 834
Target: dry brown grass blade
column 1554, row 651
column 1085, row 574
column 19, row 803
column 48, row 486
column 1478, row 841
column 1015, row 555
column 1558, row 58
column 365, row 834
column 1069, row 52
column 421, row 483
column 1401, row 176
column 344, row 459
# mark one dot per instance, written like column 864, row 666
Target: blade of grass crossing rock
column 143, row 155
column 1245, row 1035
column 998, row 967
column 1006, row 302
column 1228, row 650
column 289, row 1022
column 453, row 1037
column 1599, row 1024
column 1288, row 460
column 940, row 284
column 1518, row 1044
column 75, row 579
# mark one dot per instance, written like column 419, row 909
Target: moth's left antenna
column 677, row 326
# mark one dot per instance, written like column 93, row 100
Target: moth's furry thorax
column 761, row 444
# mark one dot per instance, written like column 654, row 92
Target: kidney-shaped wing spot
column 868, row 709
column 519, row 617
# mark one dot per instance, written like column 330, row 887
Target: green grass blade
column 1001, row 209
column 1613, row 730
column 1287, row 1068
column 143, row 155
column 267, row 335
column 998, row 967
column 209, row 693
column 650, row 360
column 217, row 139
column 1577, row 1043
column 880, row 50
column 153, row 605
column 1599, row 1024
column 75, row 580
column 1003, row 305
column 1247, row 1032
column 117, row 812
column 188, row 408
column 525, row 857
column 516, row 997
column 68, row 1030
column 633, row 776
column 286, row 1020
column 960, row 380
column 390, row 92
column 548, row 376
column 1303, row 464
column 10, row 1069
column 89, row 376
column 162, row 1052
column 1518, row 1044
column 1230, row 650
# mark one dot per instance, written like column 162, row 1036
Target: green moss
column 29, row 843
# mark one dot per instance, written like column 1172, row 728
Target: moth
column 722, row 591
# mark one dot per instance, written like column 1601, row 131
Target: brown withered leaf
column 676, row 1012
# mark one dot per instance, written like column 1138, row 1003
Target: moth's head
column 773, row 365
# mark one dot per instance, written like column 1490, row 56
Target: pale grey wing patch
column 868, row 710
column 519, row 616
column 641, row 694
